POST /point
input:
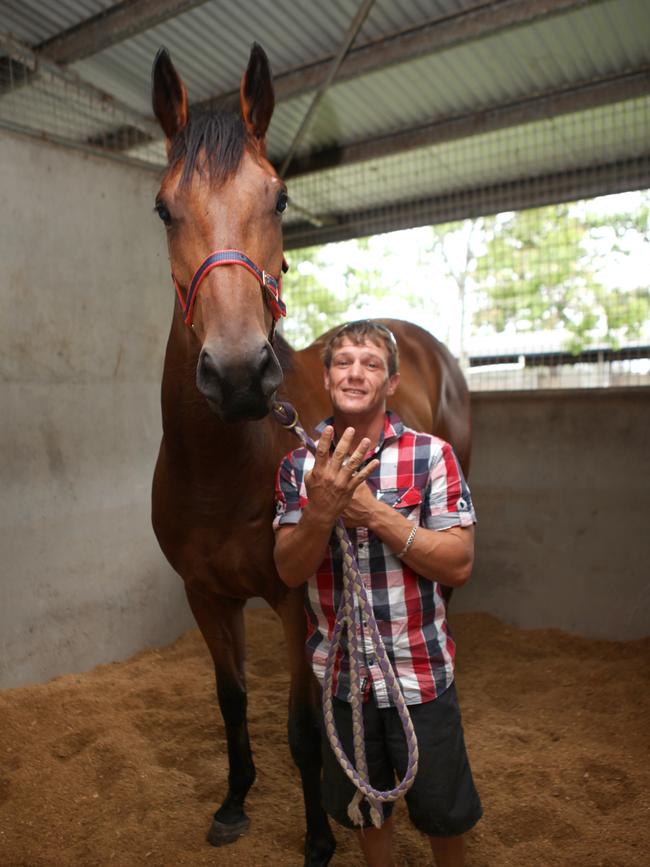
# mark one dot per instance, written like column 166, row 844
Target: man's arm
column 300, row 548
column 445, row 556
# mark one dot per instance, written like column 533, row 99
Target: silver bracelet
column 409, row 542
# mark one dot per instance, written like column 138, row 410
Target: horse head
column 222, row 202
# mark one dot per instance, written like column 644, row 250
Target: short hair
column 360, row 331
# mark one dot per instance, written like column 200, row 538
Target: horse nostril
column 207, row 365
column 207, row 375
column 265, row 356
column 207, row 368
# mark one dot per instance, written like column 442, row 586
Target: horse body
column 212, row 499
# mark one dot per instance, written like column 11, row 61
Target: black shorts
column 442, row 802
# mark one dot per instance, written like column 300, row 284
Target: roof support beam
column 567, row 186
column 582, row 97
column 429, row 38
column 111, row 26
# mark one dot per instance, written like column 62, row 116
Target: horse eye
column 282, row 202
column 163, row 213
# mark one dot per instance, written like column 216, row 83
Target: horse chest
column 215, row 528
column 235, row 560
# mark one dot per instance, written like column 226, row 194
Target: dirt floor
column 125, row 764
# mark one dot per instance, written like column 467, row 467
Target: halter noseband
column 270, row 285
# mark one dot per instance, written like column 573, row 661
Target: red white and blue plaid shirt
column 419, row 475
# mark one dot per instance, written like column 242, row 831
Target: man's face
column 358, row 380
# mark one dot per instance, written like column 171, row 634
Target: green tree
column 611, row 243
column 322, row 291
column 541, row 269
column 457, row 247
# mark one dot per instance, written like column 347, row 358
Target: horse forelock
column 216, row 140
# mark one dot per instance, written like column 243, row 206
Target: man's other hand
column 359, row 511
column 335, row 478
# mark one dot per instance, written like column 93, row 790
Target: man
column 410, row 518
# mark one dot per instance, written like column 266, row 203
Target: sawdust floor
column 125, row 764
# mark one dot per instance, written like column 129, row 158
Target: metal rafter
column 111, row 26
column 429, row 38
column 580, row 97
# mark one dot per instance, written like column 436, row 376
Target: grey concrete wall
column 561, row 483
column 86, row 303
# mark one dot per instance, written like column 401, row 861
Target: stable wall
column 561, row 486
column 86, row 303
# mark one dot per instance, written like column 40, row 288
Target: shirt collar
column 393, row 429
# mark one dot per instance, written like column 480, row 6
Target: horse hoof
column 220, row 833
column 319, row 854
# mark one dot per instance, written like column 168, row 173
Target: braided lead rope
column 355, row 614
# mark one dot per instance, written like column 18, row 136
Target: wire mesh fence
column 527, row 250
column 53, row 103
column 548, row 297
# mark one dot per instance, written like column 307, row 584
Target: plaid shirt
column 418, row 475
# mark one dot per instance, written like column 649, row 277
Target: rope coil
column 355, row 615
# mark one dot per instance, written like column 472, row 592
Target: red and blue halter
column 272, row 286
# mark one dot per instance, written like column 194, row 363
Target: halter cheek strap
column 270, row 285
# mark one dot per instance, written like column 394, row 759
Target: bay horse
column 212, row 499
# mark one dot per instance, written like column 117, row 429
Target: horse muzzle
column 241, row 388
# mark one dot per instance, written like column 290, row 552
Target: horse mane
column 215, row 138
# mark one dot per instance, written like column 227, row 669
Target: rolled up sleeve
column 447, row 500
column 287, row 496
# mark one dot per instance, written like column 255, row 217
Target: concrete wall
column 86, row 302
column 561, row 483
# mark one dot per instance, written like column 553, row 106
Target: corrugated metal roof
column 210, row 44
column 35, row 21
column 579, row 46
column 558, row 144
column 491, row 71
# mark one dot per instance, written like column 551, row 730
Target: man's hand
column 334, row 481
column 359, row 511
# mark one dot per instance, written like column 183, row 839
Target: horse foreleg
column 304, row 732
column 221, row 622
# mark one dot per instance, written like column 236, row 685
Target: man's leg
column 448, row 851
column 377, row 844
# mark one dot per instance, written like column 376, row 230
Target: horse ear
column 168, row 95
column 256, row 97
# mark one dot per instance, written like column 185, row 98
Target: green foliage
column 542, row 269
column 563, row 268
column 320, row 296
